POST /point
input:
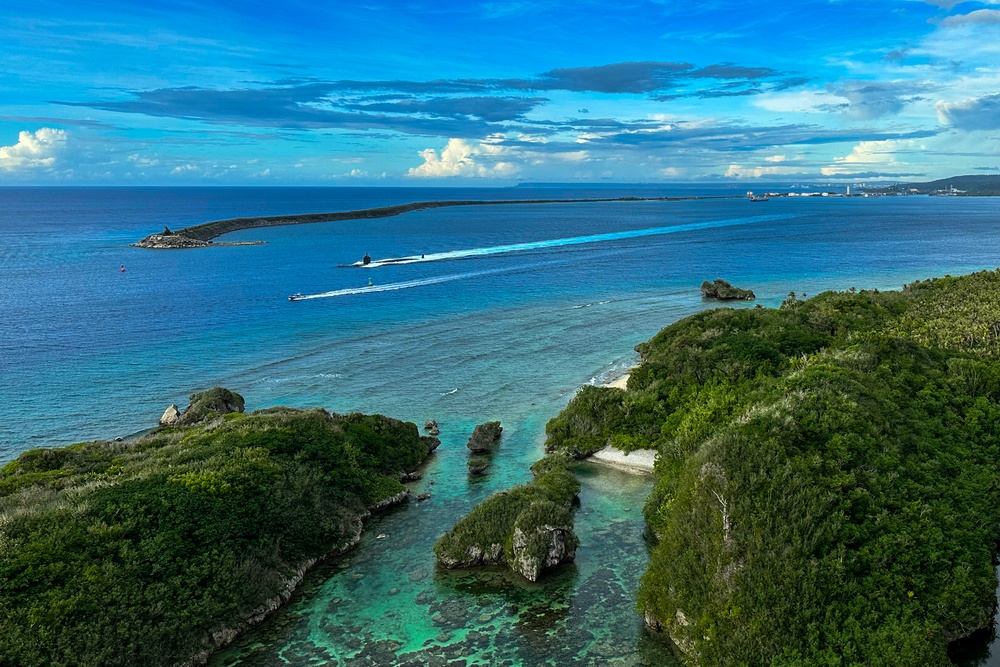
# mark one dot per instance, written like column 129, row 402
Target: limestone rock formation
column 723, row 291
column 483, row 436
column 538, row 547
column 170, row 416
column 431, row 427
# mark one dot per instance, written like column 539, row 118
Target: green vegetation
column 528, row 527
column 721, row 289
column 211, row 404
column 827, row 481
column 133, row 553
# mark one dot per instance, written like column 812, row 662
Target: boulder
column 431, row 427
column 483, row 436
column 210, row 404
column 478, row 464
column 170, row 416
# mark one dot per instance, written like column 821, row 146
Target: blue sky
column 388, row 93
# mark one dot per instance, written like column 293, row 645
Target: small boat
column 298, row 296
column 752, row 197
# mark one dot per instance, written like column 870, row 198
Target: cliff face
column 528, row 528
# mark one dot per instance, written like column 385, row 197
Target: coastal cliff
column 528, row 528
column 826, row 478
column 161, row 550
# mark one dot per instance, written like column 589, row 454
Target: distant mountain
column 970, row 185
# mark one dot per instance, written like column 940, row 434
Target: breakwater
column 198, row 236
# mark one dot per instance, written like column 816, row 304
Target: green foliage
column 485, row 535
column 827, row 481
column 130, row 554
column 210, row 404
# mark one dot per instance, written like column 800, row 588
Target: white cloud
column 459, row 158
column 872, row 155
column 183, row 168
column 775, row 158
column 803, row 101
column 739, row 171
column 33, row 151
column 979, row 113
column 978, row 17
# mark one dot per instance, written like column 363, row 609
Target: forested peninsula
column 828, row 474
column 158, row 551
column 200, row 236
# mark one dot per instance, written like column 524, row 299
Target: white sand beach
column 640, row 461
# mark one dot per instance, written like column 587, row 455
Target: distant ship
column 752, row 197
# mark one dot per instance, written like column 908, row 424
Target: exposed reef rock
column 723, row 291
column 478, row 464
column 483, row 436
column 431, row 426
column 178, row 241
column 528, row 528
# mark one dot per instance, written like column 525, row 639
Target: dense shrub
column 129, row 554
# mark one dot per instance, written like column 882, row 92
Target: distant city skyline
column 177, row 92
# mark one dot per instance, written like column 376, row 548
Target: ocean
column 511, row 311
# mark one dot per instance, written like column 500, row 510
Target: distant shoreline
column 199, row 236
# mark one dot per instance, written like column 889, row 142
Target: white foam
column 574, row 240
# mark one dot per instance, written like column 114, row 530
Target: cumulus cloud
column 37, row 150
column 871, row 154
column 461, row 158
column 978, row 113
column 978, row 17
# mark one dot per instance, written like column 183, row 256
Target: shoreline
column 640, row 461
column 201, row 235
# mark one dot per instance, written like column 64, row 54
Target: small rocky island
column 721, row 289
column 482, row 445
column 528, row 528
column 160, row 550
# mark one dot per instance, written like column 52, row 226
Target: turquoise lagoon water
column 89, row 352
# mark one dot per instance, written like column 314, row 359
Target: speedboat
column 298, row 296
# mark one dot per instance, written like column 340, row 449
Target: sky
column 300, row 92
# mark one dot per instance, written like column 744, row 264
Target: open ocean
column 89, row 352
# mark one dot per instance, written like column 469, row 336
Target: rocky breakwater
column 528, row 528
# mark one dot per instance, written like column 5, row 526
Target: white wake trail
column 574, row 240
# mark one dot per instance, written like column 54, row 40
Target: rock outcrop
column 483, row 436
column 205, row 405
column 431, row 427
column 478, row 464
column 540, row 546
column 528, row 528
column 723, row 291
column 170, row 416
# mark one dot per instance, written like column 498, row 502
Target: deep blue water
column 88, row 352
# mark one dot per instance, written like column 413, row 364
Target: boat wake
column 573, row 240
column 421, row 282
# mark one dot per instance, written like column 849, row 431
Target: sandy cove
column 639, row 461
